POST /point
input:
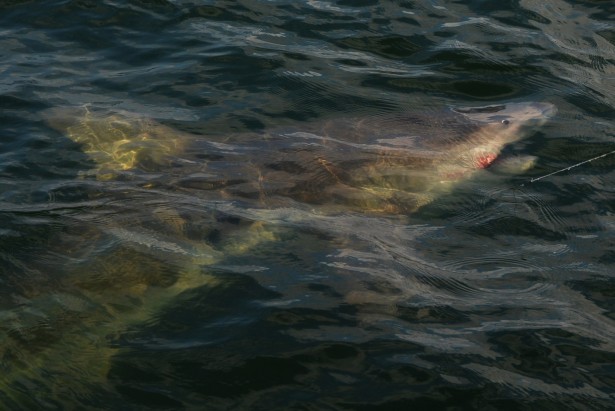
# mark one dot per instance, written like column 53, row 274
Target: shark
column 137, row 245
column 389, row 164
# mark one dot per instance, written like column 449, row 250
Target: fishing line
column 545, row 213
column 570, row 167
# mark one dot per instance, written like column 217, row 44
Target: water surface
column 178, row 283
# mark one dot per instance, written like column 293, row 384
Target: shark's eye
column 505, row 122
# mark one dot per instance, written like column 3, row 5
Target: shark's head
column 500, row 125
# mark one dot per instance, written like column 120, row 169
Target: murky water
column 297, row 205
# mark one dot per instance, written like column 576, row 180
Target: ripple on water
column 529, row 209
column 493, row 276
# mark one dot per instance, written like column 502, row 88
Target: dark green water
column 194, row 279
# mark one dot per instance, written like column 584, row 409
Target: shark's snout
column 546, row 110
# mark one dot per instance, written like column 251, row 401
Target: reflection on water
column 306, row 205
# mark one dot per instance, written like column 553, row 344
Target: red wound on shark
column 485, row 160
